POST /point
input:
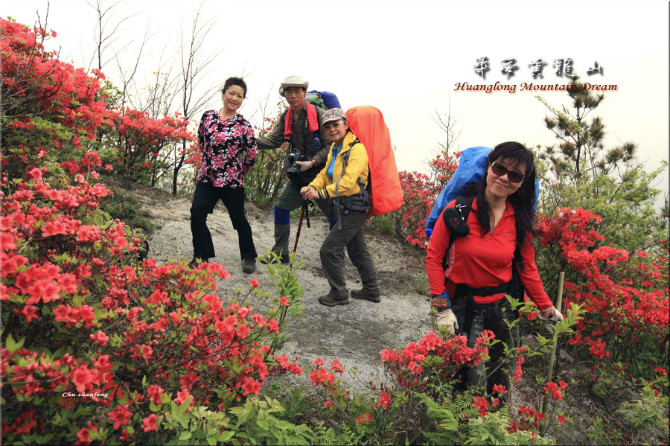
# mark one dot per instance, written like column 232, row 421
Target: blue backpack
column 471, row 170
column 323, row 99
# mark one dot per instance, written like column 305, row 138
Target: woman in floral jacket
column 229, row 151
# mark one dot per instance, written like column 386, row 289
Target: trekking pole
column 297, row 235
column 552, row 356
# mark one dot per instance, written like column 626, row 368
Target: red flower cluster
column 529, row 419
column 325, row 378
column 553, row 389
column 622, row 295
column 364, row 419
column 481, row 404
column 384, row 400
column 421, row 191
column 411, row 368
column 94, row 322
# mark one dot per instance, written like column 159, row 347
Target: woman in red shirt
column 480, row 268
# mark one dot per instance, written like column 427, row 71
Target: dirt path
column 353, row 333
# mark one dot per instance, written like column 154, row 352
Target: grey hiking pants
column 332, row 256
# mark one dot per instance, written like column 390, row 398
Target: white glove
column 304, row 165
column 556, row 317
column 448, row 319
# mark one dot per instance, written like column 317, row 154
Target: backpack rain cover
column 367, row 123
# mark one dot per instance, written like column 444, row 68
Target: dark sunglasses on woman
column 500, row 170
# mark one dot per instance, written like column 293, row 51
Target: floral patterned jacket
column 228, row 149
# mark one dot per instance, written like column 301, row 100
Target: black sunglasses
column 513, row 176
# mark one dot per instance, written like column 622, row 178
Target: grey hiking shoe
column 248, row 266
column 362, row 294
column 331, row 301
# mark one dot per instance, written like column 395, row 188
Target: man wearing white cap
column 300, row 126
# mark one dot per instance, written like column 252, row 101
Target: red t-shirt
column 483, row 260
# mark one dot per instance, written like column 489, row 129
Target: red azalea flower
column 384, row 400
column 101, row 338
column 251, row 386
column 155, row 392
column 182, row 396
column 82, row 377
column 481, row 404
column 120, row 416
column 499, row 388
column 83, row 437
column 365, row 418
column 149, row 423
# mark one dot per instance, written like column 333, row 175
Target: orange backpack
column 367, row 123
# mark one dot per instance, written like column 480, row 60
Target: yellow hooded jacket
column 357, row 168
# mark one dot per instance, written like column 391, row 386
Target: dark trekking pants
column 290, row 199
column 485, row 317
column 332, row 256
column 204, row 200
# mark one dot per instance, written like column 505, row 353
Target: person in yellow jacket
column 343, row 180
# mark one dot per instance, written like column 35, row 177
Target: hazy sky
column 406, row 57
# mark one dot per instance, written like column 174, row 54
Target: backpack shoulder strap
column 345, row 160
column 456, row 218
column 345, row 155
column 518, row 260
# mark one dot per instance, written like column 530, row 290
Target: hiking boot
column 362, row 294
column 248, row 266
column 331, row 301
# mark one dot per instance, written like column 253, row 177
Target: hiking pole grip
column 552, row 356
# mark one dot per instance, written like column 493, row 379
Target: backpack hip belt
column 464, row 290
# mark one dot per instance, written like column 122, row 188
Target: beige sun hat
column 293, row 81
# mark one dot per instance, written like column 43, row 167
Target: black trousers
column 472, row 323
column 204, row 200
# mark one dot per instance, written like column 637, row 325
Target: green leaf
column 225, row 436
column 185, row 405
column 185, row 435
column 11, row 345
column 281, row 424
column 262, row 423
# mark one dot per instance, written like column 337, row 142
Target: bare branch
column 447, row 124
